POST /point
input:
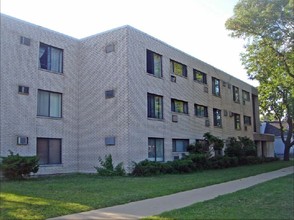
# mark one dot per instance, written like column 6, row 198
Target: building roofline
column 128, row 27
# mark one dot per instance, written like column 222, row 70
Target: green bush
column 107, row 169
column 146, row 168
column 182, row 166
column 199, row 161
column 17, row 167
column 242, row 147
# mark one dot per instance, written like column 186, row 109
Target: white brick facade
column 87, row 116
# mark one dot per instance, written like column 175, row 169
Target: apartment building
column 120, row 92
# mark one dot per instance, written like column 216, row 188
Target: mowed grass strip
column 46, row 197
column 269, row 200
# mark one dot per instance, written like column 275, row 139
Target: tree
column 268, row 28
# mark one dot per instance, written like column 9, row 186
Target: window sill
column 202, row 83
column 218, row 127
column 51, row 165
column 46, row 117
column 158, row 77
column 197, row 116
column 50, row 71
column 180, row 113
column 173, row 74
column 218, row 96
column 156, row 119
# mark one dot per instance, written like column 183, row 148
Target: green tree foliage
column 268, row 27
column 15, row 166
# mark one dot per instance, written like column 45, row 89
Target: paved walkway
column 148, row 207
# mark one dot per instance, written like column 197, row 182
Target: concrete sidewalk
column 148, row 207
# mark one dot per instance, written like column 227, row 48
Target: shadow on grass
column 24, row 207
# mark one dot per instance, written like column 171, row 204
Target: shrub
column 199, row 161
column 240, row 148
column 146, row 168
column 182, row 166
column 18, row 167
column 107, row 168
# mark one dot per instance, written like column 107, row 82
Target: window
column 245, row 95
column 178, row 68
column 23, row 90
column 179, row 106
column 217, row 117
column 50, row 58
column 247, row 120
column 201, row 111
column 199, row 76
column 49, row 151
column 215, row 86
column 109, row 141
column 154, row 63
column 25, row 41
column 155, row 149
column 180, row 145
column 236, row 97
column 49, row 104
column 237, row 121
column 109, row 94
column 155, row 106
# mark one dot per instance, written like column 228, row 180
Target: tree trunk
column 287, row 152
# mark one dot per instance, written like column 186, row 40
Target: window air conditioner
column 22, row 140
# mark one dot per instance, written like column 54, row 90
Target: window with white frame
column 155, row 106
column 50, row 58
column 156, row 149
column 49, row 104
column 178, row 68
column 154, row 64
column 217, row 117
column 180, row 145
column 179, row 106
column 49, row 151
column 215, row 86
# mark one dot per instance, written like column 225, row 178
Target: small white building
column 273, row 128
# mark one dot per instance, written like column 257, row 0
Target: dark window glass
column 50, row 58
column 49, row 151
column 245, row 95
column 154, row 63
column 215, row 86
column 178, row 68
column 180, row 145
column 217, row 117
column 236, row 95
column 199, row 76
column 247, row 120
column 179, row 106
column 155, row 149
column 201, row 111
column 237, row 121
column 155, row 106
column 49, row 104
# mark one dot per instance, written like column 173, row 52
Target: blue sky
column 193, row 26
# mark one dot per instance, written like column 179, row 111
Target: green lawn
column 269, row 200
column 54, row 196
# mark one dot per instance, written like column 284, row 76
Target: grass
column 269, row 200
column 46, row 197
